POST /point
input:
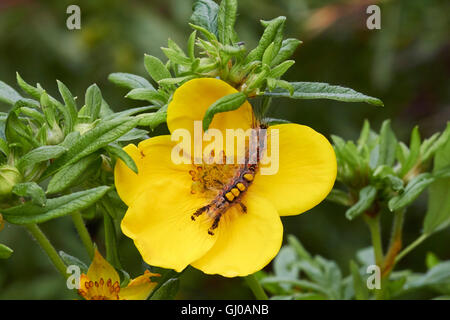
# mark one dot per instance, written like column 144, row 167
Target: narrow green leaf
column 40, row 154
column 388, row 145
column 122, row 155
column 176, row 57
column 224, row 104
column 340, row 197
column 317, row 90
column 32, row 91
column 129, row 81
column 93, row 101
column 93, row 140
column 8, row 95
column 70, row 175
column 438, row 213
column 146, row 94
column 270, row 32
column 5, row 252
column 71, row 105
column 54, row 208
column 73, row 261
column 366, row 197
column 360, row 287
column 156, row 69
column 287, row 49
column 168, row 290
column 412, row 191
column 226, row 18
column 281, row 69
column 32, row 190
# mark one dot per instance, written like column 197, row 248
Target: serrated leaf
column 366, row 197
column 224, row 104
column 129, row 81
column 318, row 90
column 32, row 190
column 54, row 208
column 413, row 189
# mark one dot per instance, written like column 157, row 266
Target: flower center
column 100, row 290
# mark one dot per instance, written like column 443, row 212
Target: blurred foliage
column 406, row 64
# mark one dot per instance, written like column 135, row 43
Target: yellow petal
column 246, row 241
column 100, row 268
column 159, row 221
column 139, row 288
column 154, row 162
column 306, row 173
column 193, row 98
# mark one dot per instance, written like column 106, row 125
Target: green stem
column 45, row 244
column 375, row 232
column 256, row 288
column 412, row 246
column 78, row 221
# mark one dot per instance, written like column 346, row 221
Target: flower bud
column 9, row 177
column 55, row 135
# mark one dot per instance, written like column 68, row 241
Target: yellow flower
column 103, row 283
column 221, row 219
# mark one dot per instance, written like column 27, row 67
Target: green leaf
column 438, row 213
column 155, row 68
column 168, row 290
column 317, row 90
column 340, row 197
column 130, row 112
column 298, row 247
column 438, row 275
column 177, row 57
column 287, row 49
column 129, row 81
column 273, row 27
column 93, row 101
column 5, row 252
column 412, row 191
column 40, row 154
column 71, row 105
column 366, row 197
column 205, row 15
column 414, row 151
column 32, row 190
column 122, row 155
column 146, row 94
column 32, row 91
column 73, row 261
column 429, row 147
column 152, row 120
column 134, row 134
column 360, row 287
column 274, row 121
column 191, row 45
column 8, row 94
column 281, row 69
column 100, row 136
column 54, row 208
column 69, row 175
column 226, row 18
column 387, row 145
column 224, row 104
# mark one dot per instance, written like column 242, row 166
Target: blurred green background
column 406, row 64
